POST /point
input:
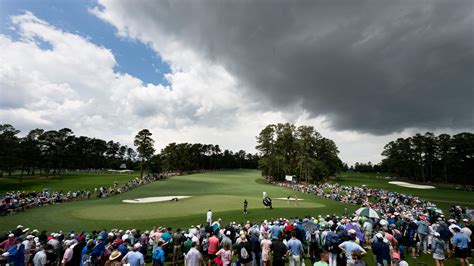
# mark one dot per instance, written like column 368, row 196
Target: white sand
column 409, row 185
column 154, row 199
column 291, row 199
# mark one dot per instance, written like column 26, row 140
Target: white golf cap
column 379, row 235
column 137, row 245
column 19, row 226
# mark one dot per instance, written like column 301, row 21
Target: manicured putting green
column 221, row 191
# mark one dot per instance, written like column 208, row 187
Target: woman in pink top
column 266, row 244
column 225, row 253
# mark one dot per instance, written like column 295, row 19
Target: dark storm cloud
column 373, row 66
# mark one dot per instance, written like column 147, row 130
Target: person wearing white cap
column 8, row 243
column 468, row 233
column 438, row 248
column 67, row 257
column 134, row 257
column 28, row 243
column 381, row 250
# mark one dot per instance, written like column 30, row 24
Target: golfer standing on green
column 245, row 206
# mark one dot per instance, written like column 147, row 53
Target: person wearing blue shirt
column 166, row 236
column 350, row 246
column 134, row 257
column 123, row 247
column 422, row 230
column 276, row 231
column 17, row 254
column 460, row 241
column 99, row 249
column 86, row 253
column 158, row 255
column 296, row 249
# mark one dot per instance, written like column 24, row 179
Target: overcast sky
column 361, row 72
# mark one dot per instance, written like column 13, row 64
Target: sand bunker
column 409, row 185
column 155, row 199
column 291, row 199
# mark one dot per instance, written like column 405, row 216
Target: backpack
column 87, row 259
column 243, row 253
column 332, row 240
column 205, row 245
column 397, row 235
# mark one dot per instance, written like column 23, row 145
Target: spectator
column 295, row 248
column 134, row 257
column 349, row 246
column 460, row 241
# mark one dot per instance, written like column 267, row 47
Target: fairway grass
column 221, row 191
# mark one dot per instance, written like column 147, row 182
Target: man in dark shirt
column 177, row 242
column 279, row 251
column 76, row 252
column 381, row 250
column 256, row 249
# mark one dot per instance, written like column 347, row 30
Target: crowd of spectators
column 16, row 201
column 383, row 201
column 328, row 240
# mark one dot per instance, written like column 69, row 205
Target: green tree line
column 301, row 151
column 50, row 152
column 196, row 156
column 430, row 158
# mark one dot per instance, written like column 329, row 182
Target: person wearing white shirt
column 40, row 258
column 193, row 257
column 209, row 216
column 27, row 243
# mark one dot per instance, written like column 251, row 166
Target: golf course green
column 221, row 191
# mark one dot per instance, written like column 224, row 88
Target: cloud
column 73, row 84
column 373, row 67
column 231, row 75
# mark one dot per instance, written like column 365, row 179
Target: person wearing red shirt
column 8, row 243
column 213, row 248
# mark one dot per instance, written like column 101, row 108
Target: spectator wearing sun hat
column 19, row 230
column 114, row 259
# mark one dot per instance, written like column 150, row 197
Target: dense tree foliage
column 51, row 152
column 366, row 168
column 185, row 157
column 430, row 158
column 289, row 150
column 145, row 147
